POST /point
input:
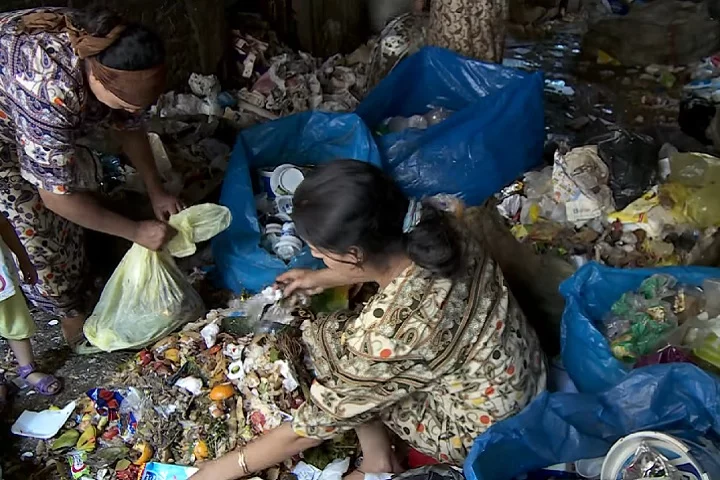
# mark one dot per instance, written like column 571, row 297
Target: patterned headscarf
column 139, row 88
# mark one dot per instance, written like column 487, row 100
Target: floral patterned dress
column 438, row 361
column 45, row 105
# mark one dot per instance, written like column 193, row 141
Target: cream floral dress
column 438, row 361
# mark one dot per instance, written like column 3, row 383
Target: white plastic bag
column 148, row 297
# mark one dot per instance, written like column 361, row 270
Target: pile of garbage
column 665, row 321
column 278, row 82
column 192, row 397
column 620, row 201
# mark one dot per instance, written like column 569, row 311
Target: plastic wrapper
column 698, row 206
column 78, row 467
column 589, row 295
column 649, row 463
column 669, row 354
column 694, row 169
column 164, row 471
column 646, row 316
column 495, row 134
column 148, row 297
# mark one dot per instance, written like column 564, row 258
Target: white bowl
column 285, row 179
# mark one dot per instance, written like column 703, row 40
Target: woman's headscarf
column 139, row 88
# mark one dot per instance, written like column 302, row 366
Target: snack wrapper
column 78, row 467
column 648, row 463
column 165, row 471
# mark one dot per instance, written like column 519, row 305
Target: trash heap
column 276, row 81
column 190, row 398
column 619, row 201
column 665, row 321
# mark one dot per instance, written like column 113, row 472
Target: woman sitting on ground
column 437, row 356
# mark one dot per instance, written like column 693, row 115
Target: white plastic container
column 284, row 204
column 676, row 451
column 43, row 425
column 589, row 467
column 285, row 179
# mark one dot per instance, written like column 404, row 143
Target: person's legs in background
column 56, row 248
column 474, row 28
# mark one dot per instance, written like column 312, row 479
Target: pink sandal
column 44, row 386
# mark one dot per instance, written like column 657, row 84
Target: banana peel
column 66, row 440
column 86, row 442
column 146, row 453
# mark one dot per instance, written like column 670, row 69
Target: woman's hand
column 309, row 282
column 153, row 234
column 29, row 272
column 164, row 204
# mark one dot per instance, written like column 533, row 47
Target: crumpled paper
column 580, row 182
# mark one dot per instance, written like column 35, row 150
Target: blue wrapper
column 164, row 471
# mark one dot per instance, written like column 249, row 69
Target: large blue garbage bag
column 679, row 399
column 496, row 133
column 589, row 294
column 308, row 138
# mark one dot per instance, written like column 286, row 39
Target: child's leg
column 43, row 383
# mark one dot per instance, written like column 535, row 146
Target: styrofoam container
column 676, row 451
column 43, row 425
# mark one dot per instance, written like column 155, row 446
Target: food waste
column 190, row 398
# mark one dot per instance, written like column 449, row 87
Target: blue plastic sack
column 308, row 138
column 495, row 135
column 589, row 294
column 679, row 399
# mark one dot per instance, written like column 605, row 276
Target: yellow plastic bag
column 148, row 297
column 698, row 206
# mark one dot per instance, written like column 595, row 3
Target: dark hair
column 137, row 48
column 347, row 203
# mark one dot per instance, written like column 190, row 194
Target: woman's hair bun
column 434, row 243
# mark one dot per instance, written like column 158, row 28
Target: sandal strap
column 43, row 386
column 26, row 370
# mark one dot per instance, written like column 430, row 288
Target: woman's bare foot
column 72, row 329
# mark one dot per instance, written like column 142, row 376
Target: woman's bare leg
column 377, row 449
column 72, row 329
